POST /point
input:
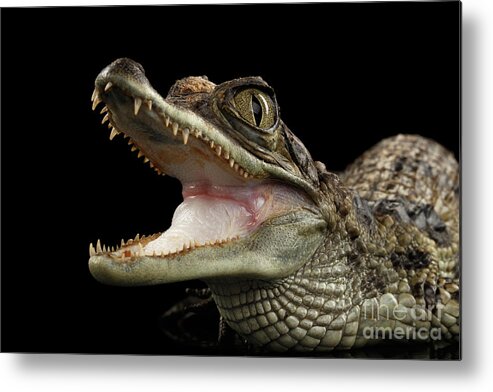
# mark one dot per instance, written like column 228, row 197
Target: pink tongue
column 203, row 219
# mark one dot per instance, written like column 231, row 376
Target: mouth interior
column 215, row 215
column 210, row 215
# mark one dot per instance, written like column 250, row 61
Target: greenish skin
column 355, row 259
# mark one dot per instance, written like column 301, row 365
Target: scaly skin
column 346, row 262
column 377, row 272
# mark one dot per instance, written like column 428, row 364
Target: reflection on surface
column 193, row 327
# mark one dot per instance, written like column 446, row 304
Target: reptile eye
column 257, row 110
column 248, row 108
column 255, row 107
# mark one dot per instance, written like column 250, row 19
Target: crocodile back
column 408, row 167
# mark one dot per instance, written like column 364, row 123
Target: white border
column 129, row 373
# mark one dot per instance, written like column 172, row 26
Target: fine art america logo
column 399, row 322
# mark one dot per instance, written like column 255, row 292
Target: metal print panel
column 299, row 194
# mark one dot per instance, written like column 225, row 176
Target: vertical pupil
column 257, row 110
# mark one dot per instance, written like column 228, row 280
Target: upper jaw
column 173, row 139
column 162, row 128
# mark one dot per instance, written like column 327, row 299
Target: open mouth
column 227, row 192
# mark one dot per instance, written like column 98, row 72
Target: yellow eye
column 256, row 107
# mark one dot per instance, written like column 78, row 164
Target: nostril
column 124, row 69
column 127, row 66
column 121, row 72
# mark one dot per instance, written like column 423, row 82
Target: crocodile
column 296, row 258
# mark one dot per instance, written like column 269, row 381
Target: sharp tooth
column 245, row 174
column 140, row 154
column 133, row 148
column 96, row 102
column 231, row 162
column 104, row 248
column 236, row 166
column 149, row 104
column 137, row 237
column 226, row 154
column 137, row 105
column 197, row 132
column 151, row 165
column 113, row 133
column 166, row 121
column 94, row 95
column 212, row 143
column 98, row 247
column 219, row 150
column 130, row 141
column 105, row 118
column 108, row 86
column 240, row 170
column 104, row 110
column 146, row 159
column 92, row 251
column 175, row 129
column 185, row 134
column 141, row 250
column 122, row 243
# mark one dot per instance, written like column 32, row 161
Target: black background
column 345, row 75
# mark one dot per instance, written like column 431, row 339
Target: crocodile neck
column 348, row 295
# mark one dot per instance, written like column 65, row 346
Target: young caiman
column 297, row 258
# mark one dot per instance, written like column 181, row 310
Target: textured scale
column 394, row 263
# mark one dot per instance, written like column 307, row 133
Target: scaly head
column 249, row 185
